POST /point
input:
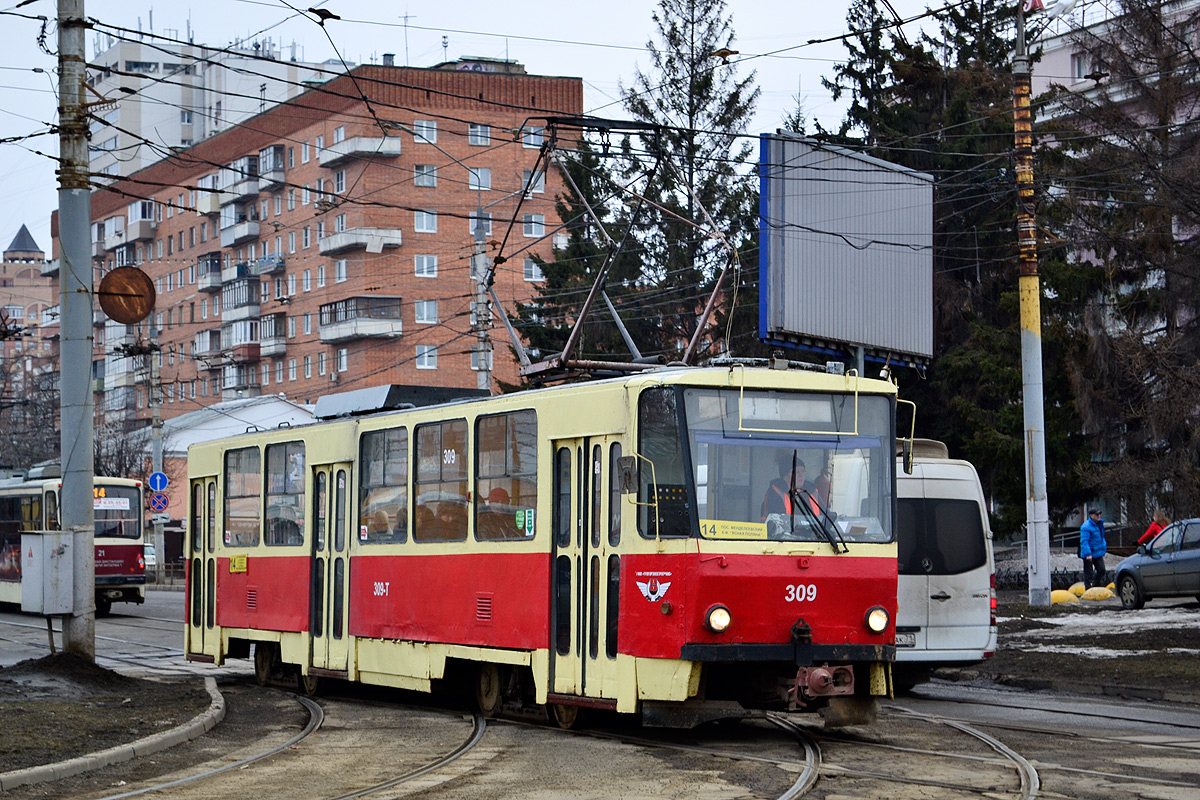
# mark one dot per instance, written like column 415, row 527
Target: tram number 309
column 800, row 593
column 381, row 588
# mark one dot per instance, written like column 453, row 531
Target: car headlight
column 717, row 619
column 878, row 619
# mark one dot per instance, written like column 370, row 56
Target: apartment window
column 278, row 204
column 279, row 288
column 425, row 221
column 306, row 237
column 308, row 280
column 278, row 246
column 343, row 359
column 291, row 328
column 339, row 134
column 307, row 325
column 425, row 130
column 320, row 144
column 170, row 282
column 339, row 271
column 204, row 309
column 279, row 371
column 291, row 199
column 320, row 363
column 320, row 230
column 426, row 356
column 264, row 209
column 308, row 366
column 320, row 276
column 291, row 157
column 425, row 311
column 291, row 241
column 1079, row 66
column 291, row 369
column 479, row 134
column 185, row 117
column 339, row 223
column 425, row 175
column 426, row 266
column 291, row 284
column 532, row 136
column 534, row 225
column 535, row 182
column 479, row 178
column 303, row 160
column 475, row 222
column 266, row 375
column 304, row 195
column 339, row 181
column 192, row 275
column 533, row 271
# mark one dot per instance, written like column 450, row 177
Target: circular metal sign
column 127, row 295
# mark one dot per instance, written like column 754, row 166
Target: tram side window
column 441, row 484
column 285, row 494
column 11, row 525
column 383, row 493
column 243, row 500
column 663, row 482
column 194, row 530
column 506, row 476
column 51, row 511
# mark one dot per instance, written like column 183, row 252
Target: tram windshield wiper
column 823, row 522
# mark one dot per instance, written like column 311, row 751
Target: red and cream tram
column 32, row 505
column 599, row 545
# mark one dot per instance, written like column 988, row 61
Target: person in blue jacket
column 1092, row 547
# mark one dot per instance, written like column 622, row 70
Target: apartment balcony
column 99, row 317
column 237, row 271
column 359, row 147
column 50, row 268
column 114, row 241
column 208, row 203
column 239, row 380
column 360, row 318
column 273, row 346
column 207, row 343
column 98, row 249
column 141, row 230
column 269, row 264
column 247, row 353
column 119, row 380
column 239, row 232
column 97, row 384
column 247, row 310
column 373, row 240
column 272, row 179
column 247, row 187
column 209, row 281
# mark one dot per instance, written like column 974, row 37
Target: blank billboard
column 846, row 252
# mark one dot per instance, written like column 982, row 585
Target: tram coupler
column 820, row 681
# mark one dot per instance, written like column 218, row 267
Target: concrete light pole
column 1037, row 509
column 75, row 343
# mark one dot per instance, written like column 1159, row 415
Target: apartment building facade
column 170, row 94
column 329, row 243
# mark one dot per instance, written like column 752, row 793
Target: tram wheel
column 264, row 658
column 566, row 717
column 309, row 684
column 487, row 690
column 103, row 606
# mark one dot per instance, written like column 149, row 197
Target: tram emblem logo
column 653, row 589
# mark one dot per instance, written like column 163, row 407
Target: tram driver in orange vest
column 778, row 499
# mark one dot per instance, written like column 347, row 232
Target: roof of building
column 23, row 243
column 230, row 418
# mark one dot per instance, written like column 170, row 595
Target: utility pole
column 156, row 450
column 1037, row 510
column 75, row 342
column 483, row 311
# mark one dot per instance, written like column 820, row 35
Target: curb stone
column 196, row 727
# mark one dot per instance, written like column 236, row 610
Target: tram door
column 581, row 585
column 330, row 564
column 202, row 567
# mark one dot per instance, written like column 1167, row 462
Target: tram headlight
column 717, row 619
column 878, row 619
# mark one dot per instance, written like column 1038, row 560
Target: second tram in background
column 610, row 545
column 32, row 505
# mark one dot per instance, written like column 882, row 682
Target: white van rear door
column 912, row 587
column 959, row 590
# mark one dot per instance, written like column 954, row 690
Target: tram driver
column 778, row 499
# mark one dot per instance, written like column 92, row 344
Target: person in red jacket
column 1159, row 522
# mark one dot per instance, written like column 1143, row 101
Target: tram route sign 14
column 158, row 482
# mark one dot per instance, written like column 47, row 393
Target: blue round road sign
column 159, row 502
column 158, row 481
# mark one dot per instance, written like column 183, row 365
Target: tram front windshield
column 768, row 465
column 118, row 511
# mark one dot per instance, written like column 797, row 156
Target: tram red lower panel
column 664, row 599
column 271, row 595
column 118, row 563
column 493, row 599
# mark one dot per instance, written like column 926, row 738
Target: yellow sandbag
column 1112, row 587
column 1098, row 593
column 1077, row 589
column 1063, row 596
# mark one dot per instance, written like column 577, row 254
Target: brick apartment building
column 327, row 244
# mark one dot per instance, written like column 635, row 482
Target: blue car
column 1169, row 566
